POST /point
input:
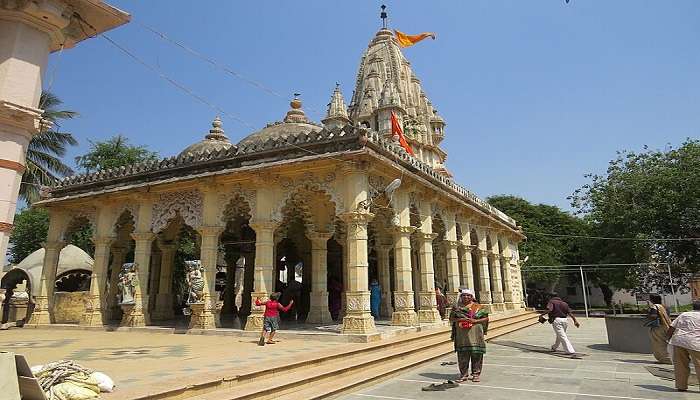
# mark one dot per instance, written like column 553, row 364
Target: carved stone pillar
column 452, row 290
column 263, row 272
column 43, row 310
column 118, row 255
column 203, row 316
column 427, row 313
column 485, row 281
column 96, row 307
column 404, row 313
column 496, row 288
column 383, row 261
column 358, row 318
column 318, row 311
column 163, row 309
column 467, row 271
column 137, row 315
column 507, row 282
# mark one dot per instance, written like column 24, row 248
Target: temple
column 324, row 208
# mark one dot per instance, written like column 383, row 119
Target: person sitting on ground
column 271, row 323
column 471, row 322
column 558, row 311
column 658, row 323
column 684, row 335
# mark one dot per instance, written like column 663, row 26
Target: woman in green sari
column 470, row 322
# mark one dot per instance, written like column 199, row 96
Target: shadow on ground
column 535, row 349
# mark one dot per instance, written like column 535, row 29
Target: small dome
column 214, row 140
column 70, row 258
column 295, row 123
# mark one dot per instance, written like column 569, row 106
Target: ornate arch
column 123, row 208
column 313, row 183
column 237, row 201
column 188, row 204
column 76, row 218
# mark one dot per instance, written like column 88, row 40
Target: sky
column 536, row 94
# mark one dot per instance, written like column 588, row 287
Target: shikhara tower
column 385, row 83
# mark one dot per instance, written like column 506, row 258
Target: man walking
column 558, row 312
column 685, row 338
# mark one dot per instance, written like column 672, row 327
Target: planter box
column 626, row 332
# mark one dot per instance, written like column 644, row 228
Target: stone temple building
column 318, row 196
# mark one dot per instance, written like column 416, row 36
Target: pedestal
column 428, row 313
column 404, row 315
column 201, row 317
column 132, row 315
column 358, row 318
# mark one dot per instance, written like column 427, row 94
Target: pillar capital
column 319, row 236
column 143, row 236
column 483, row 253
column 209, row 230
column 104, row 240
column 357, row 217
column 403, row 230
column 451, row 244
column 469, row 247
column 259, row 225
column 427, row 237
column 506, row 258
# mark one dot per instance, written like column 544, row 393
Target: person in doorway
column 441, row 301
column 271, row 322
column 684, row 335
column 471, row 323
column 335, row 295
column 658, row 323
column 375, row 298
column 558, row 312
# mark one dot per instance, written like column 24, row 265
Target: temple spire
column 337, row 114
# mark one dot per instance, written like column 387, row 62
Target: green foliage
column 31, row 229
column 31, row 226
column 113, row 153
column 44, row 165
column 651, row 194
column 542, row 249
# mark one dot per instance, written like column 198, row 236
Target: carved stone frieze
column 230, row 202
column 403, row 300
column 357, row 301
column 427, row 300
column 187, row 204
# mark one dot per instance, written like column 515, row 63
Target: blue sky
column 535, row 93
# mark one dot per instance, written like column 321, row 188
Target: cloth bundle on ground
column 68, row 380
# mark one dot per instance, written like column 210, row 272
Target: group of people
column 675, row 342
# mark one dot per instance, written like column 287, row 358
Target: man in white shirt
column 685, row 338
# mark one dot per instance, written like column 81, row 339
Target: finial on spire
column 217, row 132
column 383, row 16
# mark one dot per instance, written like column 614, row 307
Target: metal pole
column 673, row 288
column 585, row 295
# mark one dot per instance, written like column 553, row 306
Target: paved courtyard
column 516, row 367
column 144, row 359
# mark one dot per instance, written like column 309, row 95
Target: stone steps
column 338, row 373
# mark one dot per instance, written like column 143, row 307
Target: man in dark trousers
column 557, row 313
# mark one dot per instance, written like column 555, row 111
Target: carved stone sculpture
column 239, row 278
column 127, row 283
column 195, row 281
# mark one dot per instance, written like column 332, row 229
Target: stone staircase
column 331, row 375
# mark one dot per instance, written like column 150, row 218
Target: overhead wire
column 215, row 107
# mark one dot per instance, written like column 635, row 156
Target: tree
column 113, row 153
column 643, row 197
column 544, row 250
column 31, row 227
column 44, row 165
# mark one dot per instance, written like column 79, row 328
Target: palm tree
column 43, row 163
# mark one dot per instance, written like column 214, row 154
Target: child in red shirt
column 271, row 323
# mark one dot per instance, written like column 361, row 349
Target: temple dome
column 294, row 123
column 213, row 141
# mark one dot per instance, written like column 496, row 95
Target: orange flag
column 396, row 130
column 409, row 40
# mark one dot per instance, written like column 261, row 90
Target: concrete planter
column 626, row 332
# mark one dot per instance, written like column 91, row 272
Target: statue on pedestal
column 195, row 281
column 127, row 283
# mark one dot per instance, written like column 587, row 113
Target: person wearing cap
column 470, row 320
column 684, row 336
